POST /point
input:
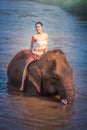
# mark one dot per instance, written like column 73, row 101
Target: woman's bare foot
column 21, row 88
column 64, row 101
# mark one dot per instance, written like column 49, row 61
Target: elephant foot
column 64, row 101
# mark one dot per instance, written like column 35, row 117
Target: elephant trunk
column 69, row 88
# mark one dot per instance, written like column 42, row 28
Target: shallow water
column 69, row 33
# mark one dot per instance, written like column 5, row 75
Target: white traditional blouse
column 39, row 45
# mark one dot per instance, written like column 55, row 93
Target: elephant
column 51, row 74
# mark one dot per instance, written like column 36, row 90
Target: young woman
column 39, row 45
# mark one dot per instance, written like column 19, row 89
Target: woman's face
column 38, row 28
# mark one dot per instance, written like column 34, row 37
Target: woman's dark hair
column 39, row 23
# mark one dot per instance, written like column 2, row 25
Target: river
column 67, row 32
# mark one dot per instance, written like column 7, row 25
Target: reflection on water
column 17, row 19
column 34, row 113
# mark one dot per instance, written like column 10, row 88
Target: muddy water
column 67, row 32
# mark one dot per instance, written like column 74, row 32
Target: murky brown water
column 18, row 112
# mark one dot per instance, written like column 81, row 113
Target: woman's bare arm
column 46, row 49
column 32, row 44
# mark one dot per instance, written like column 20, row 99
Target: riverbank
column 77, row 7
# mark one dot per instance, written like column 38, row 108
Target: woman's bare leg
column 25, row 73
column 23, row 78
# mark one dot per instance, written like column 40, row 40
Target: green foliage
column 78, row 7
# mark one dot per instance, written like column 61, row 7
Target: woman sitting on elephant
column 39, row 45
